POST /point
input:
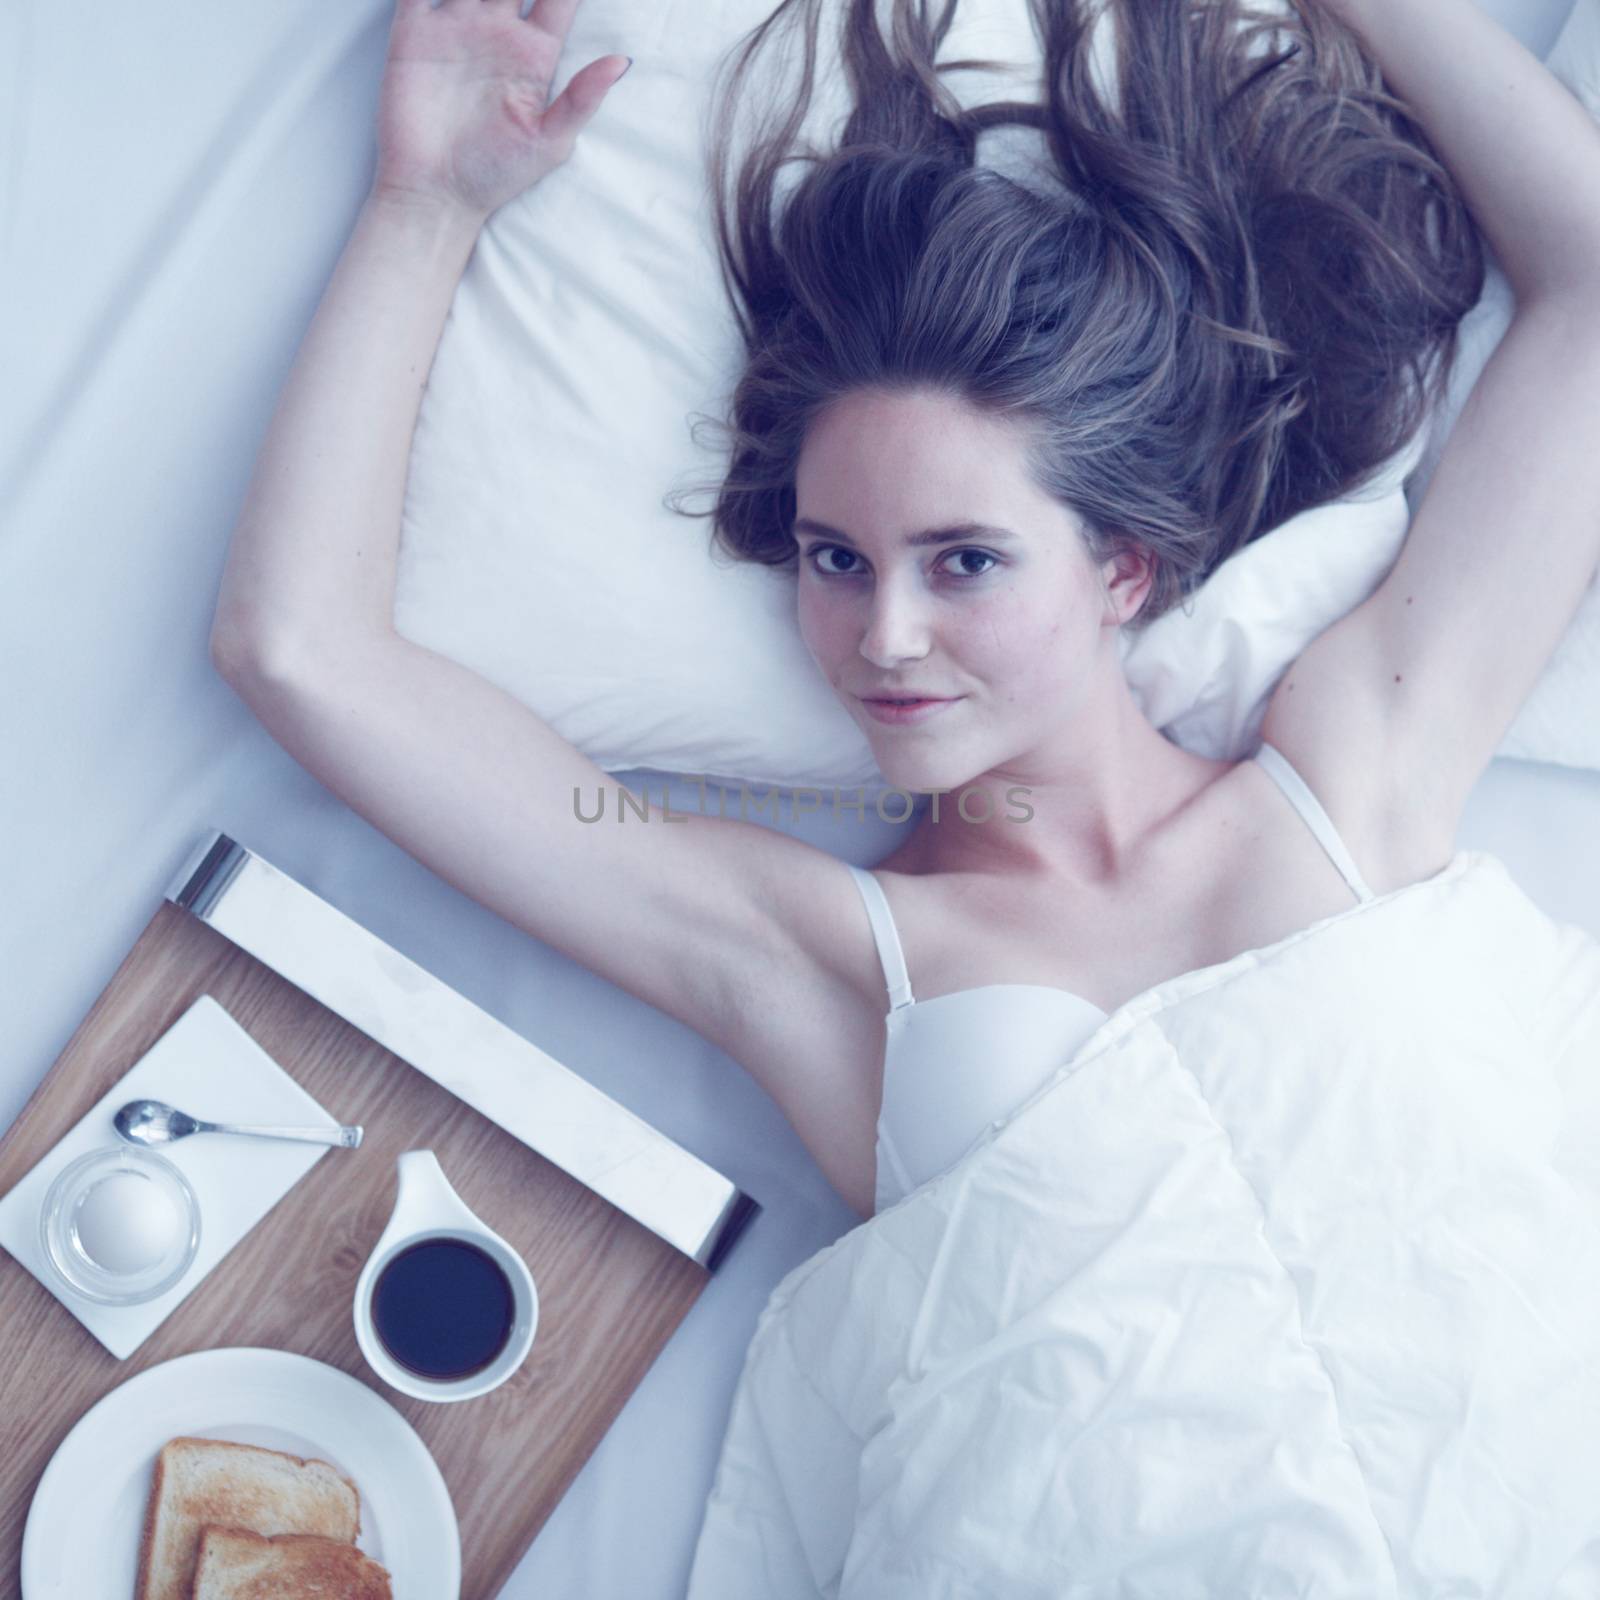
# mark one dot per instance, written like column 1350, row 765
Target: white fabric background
column 176, row 182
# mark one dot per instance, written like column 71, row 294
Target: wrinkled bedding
column 1287, row 1283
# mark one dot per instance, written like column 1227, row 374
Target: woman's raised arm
column 314, row 550
column 1524, row 152
column 687, row 911
column 1395, row 711
column 463, row 126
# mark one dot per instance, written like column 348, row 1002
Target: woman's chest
column 1197, row 900
column 1007, row 975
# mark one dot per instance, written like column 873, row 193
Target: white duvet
column 1287, row 1283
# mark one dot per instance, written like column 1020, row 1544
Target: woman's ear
column 1126, row 579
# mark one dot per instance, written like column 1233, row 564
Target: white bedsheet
column 176, row 181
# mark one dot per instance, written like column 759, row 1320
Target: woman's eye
column 823, row 551
column 982, row 555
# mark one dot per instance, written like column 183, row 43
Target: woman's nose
column 897, row 628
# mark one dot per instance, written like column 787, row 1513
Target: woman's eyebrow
column 956, row 530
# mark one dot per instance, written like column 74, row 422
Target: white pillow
column 591, row 327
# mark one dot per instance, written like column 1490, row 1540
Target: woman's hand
column 464, row 114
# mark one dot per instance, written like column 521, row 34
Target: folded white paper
column 207, row 1065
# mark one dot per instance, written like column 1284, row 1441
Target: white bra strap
column 1310, row 808
column 887, row 939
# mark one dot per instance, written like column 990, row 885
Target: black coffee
column 443, row 1308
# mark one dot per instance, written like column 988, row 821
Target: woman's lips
column 916, row 711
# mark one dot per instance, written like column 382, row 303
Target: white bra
column 961, row 1062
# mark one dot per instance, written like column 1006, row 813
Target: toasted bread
column 236, row 1564
column 200, row 1481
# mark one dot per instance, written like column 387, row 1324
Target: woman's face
column 1009, row 624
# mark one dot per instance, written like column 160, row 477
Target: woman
column 992, row 428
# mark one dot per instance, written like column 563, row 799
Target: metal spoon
column 152, row 1122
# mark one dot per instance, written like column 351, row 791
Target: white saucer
column 83, row 1528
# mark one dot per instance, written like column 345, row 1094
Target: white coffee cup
column 425, row 1208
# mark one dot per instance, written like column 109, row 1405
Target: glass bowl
column 63, row 1209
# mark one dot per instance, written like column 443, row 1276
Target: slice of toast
column 236, row 1564
column 197, row 1481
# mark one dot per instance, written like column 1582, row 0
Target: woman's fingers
column 566, row 115
column 465, row 108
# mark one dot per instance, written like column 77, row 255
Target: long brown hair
column 1235, row 297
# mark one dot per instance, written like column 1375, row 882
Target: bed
column 176, row 183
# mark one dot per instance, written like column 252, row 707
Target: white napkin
column 207, row 1065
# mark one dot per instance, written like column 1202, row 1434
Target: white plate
column 99, row 1478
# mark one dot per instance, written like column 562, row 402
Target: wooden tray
column 610, row 1291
